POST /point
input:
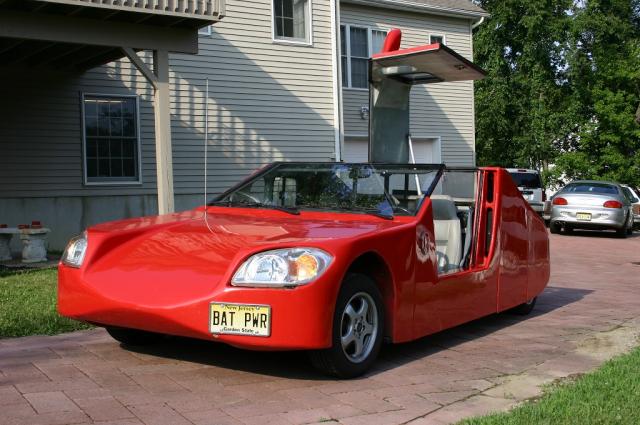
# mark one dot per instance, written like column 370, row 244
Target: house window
column 437, row 38
column 292, row 20
column 111, row 139
column 357, row 44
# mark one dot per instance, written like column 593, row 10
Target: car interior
column 453, row 203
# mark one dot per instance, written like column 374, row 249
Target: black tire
column 339, row 361
column 525, row 308
column 622, row 233
column 134, row 337
column 554, row 228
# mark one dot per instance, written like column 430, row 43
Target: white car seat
column 448, row 233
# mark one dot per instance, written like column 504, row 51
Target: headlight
column 282, row 268
column 74, row 252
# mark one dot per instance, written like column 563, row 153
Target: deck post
column 164, row 153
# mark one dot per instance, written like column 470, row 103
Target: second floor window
column 357, row 46
column 292, row 20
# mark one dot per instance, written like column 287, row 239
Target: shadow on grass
column 295, row 365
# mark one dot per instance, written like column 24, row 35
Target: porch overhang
column 81, row 34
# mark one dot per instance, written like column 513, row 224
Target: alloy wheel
column 359, row 327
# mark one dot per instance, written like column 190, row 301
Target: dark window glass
column 630, row 195
column 111, row 139
column 436, row 39
column 527, row 180
column 290, row 19
column 601, row 188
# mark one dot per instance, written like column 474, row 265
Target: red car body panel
column 161, row 273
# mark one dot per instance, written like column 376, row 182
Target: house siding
column 439, row 110
column 41, row 131
column 268, row 101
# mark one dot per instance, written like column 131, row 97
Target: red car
column 332, row 258
column 328, row 257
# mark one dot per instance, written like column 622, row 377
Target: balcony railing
column 198, row 9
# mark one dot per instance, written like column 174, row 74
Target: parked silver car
column 634, row 197
column 597, row 205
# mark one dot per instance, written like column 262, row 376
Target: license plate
column 583, row 216
column 240, row 319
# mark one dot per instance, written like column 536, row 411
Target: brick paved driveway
column 589, row 313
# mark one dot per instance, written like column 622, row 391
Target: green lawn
column 28, row 305
column 609, row 395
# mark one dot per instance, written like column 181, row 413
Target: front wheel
column 358, row 328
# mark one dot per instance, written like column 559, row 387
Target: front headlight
column 282, row 268
column 74, row 252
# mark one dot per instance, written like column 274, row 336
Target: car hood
column 185, row 246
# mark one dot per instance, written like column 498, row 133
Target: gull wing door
column 393, row 73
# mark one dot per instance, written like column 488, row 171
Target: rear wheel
column 554, row 228
column 358, row 327
column 133, row 336
column 525, row 308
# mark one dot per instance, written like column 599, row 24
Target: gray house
column 104, row 115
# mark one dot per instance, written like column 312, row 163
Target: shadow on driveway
column 295, row 365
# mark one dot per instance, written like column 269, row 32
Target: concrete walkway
column 589, row 313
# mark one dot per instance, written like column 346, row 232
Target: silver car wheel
column 359, row 327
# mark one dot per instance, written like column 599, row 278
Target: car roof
column 522, row 170
column 594, row 181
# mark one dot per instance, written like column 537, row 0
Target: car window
column 528, row 180
column 630, row 195
column 597, row 188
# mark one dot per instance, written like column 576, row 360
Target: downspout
column 477, row 23
column 337, row 78
column 474, row 157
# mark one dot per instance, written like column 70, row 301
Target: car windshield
column 527, row 180
column 630, row 195
column 597, row 188
column 384, row 190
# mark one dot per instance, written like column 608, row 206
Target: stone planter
column 33, row 245
column 6, row 234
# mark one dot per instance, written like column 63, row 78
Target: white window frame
column 309, row 28
column 205, row 31
column 85, row 177
column 347, row 33
column 435, row 34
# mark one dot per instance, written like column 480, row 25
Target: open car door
column 393, row 73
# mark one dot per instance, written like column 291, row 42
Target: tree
column 523, row 106
column 604, row 74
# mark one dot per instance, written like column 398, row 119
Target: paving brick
column 151, row 414
column 9, row 395
column 103, row 408
column 211, row 417
column 49, row 402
